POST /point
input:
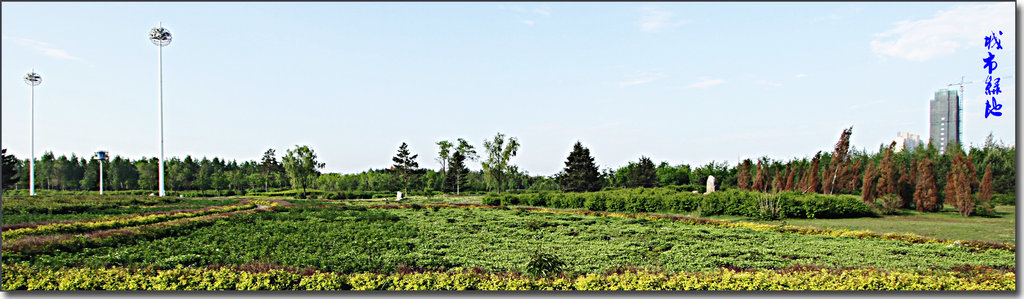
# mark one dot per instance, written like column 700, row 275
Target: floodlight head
column 101, row 155
column 33, row 79
column 160, row 36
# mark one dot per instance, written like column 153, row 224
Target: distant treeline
column 841, row 171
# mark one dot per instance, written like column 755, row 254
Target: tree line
column 922, row 178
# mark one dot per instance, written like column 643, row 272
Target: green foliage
column 543, row 264
column 789, row 204
column 302, row 167
column 580, row 173
column 405, row 165
column 10, row 169
column 888, row 204
column 643, row 175
column 497, row 166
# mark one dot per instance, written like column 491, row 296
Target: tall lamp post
column 101, row 156
column 161, row 37
column 33, row 79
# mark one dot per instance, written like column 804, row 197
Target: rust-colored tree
column 850, row 178
column 743, row 175
column 985, row 192
column 926, row 193
column 887, row 173
column 759, row 179
column 777, row 182
column 958, row 185
column 868, row 188
column 840, row 158
column 790, row 171
column 811, row 179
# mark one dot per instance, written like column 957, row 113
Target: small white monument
column 399, row 196
column 711, row 184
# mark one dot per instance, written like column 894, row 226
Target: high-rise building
column 946, row 123
column 906, row 140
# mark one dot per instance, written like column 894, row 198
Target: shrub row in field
column 24, row 278
column 730, row 202
column 68, row 204
column 21, row 248
column 118, row 222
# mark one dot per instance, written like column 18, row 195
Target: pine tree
column 10, row 165
column 643, row 175
column 743, row 175
column 926, row 193
column 580, row 173
column 985, row 192
column 810, row 177
column 457, row 172
column 840, row 157
column 958, row 185
column 759, row 180
column 886, row 173
column 868, row 188
column 405, row 164
column 790, row 171
column 905, row 184
column 777, row 182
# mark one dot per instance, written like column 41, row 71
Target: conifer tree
column 926, row 193
column 958, row 185
column 580, row 173
column 868, row 188
column 405, row 164
column 985, row 192
column 811, row 178
column 886, row 173
column 840, row 158
column 643, row 175
column 457, row 172
column 777, row 182
column 743, row 175
column 790, row 171
column 759, row 180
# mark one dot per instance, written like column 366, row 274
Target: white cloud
column 43, row 48
column 543, row 10
column 706, row 82
column 641, row 78
column 769, row 83
column 801, row 75
column 655, row 19
column 947, row 31
column 528, row 22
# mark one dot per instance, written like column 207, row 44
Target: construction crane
column 960, row 101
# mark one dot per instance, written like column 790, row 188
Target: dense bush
column 320, row 194
column 1004, row 199
column 731, row 202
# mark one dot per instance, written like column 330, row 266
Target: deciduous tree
column 499, row 154
column 302, row 167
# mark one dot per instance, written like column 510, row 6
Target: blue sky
column 677, row 82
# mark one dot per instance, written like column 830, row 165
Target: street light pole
column 101, row 156
column 33, row 79
column 161, row 37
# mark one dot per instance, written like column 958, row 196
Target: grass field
column 435, row 237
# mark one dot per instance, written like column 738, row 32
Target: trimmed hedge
column 668, row 200
column 24, row 278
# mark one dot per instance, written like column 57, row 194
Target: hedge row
column 117, row 222
column 24, row 278
column 730, row 202
column 320, row 194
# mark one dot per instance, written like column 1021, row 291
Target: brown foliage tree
column 958, row 185
column 985, row 193
column 759, row 179
column 790, row 171
column 887, row 173
column 868, row 188
column 810, row 177
column 743, row 175
column 926, row 193
column 777, row 182
column 840, row 157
